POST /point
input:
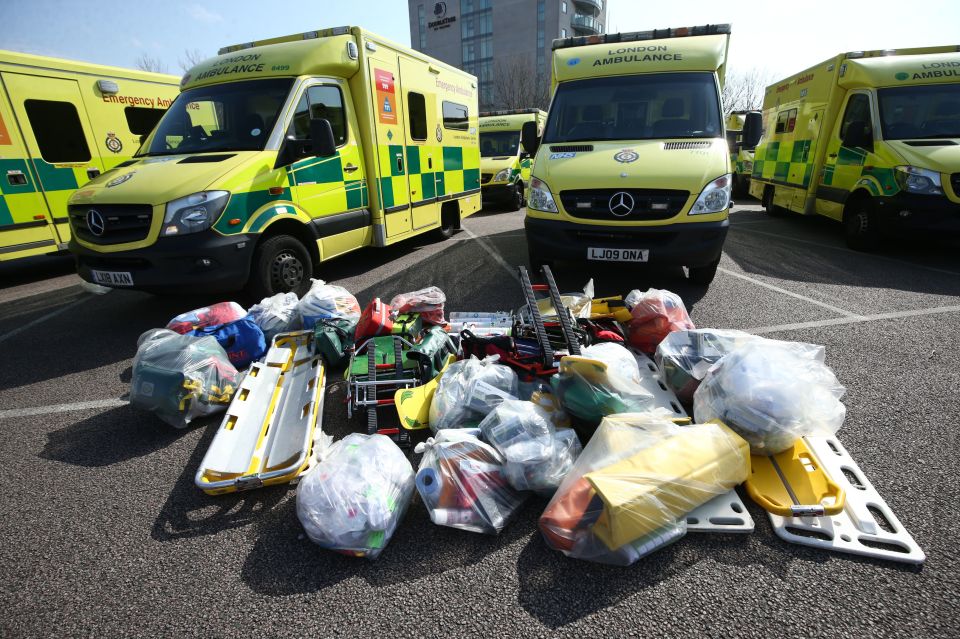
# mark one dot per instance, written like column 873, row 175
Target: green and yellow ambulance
column 504, row 164
column 61, row 124
column 868, row 138
column 633, row 165
column 278, row 155
column 741, row 151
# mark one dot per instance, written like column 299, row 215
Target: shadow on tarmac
column 32, row 269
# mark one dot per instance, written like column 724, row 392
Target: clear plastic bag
column 603, row 380
column 428, row 302
column 579, row 304
column 325, row 301
column 213, row 315
column 537, row 455
column 685, row 356
column 469, row 390
column 638, row 477
column 181, row 377
column 656, row 313
column 352, row 501
column 463, row 484
column 277, row 314
column 772, row 393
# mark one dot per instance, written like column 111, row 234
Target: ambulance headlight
column 193, row 213
column 714, row 197
column 502, row 175
column 913, row 179
column 540, row 198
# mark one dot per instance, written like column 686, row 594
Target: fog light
column 204, row 262
column 905, row 213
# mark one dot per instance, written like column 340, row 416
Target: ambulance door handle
column 16, row 178
column 400, row 162
column 832, row 155
column 93, row 172
column 430, row 163
column 350, row 168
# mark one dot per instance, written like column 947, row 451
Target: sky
column 778, row 39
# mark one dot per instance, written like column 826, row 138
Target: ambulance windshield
column 494, row 143
column 237, row 116
column 635, row 107
column 918, row 112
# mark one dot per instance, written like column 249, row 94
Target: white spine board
column 855, row 529
column 651, row 382
column 722, row 514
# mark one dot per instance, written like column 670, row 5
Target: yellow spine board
column 793, row 483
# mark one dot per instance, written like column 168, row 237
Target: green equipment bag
column 334, row 338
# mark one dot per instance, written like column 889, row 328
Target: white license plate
column 112, row 278
column 618, row 254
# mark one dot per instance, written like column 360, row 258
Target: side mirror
column 858, row 135
column 752, row 130
column 529, row 138
column 321, row 138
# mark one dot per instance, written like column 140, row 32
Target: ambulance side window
column 455, row 116
column 858, row 110
column 418, row 115
column 320, row 102
column 781, row 122
column 141, row 120
column 58, row 131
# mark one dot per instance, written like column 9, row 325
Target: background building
column 505, row 43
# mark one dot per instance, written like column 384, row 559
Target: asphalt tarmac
column 103, row 533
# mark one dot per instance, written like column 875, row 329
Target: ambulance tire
column 769, row 207
column 449, row 222
column 516, row 197
column 860, row 225
column 741, row 186
column 280, row 264
column 703, row 275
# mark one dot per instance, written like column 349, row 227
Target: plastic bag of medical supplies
column 181, row 377
column 324, row 301
column 603, row 380
column 428, row 302
column 463, row 483
column 276, row 314
column 242, row 339
column 537, row 454
column 772, row 393
column 352, row 501
column 213, row 315
column 656, row 314
column 685, row 356
column 636, row 480
column 468, row 390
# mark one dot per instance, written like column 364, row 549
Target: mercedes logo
column 621, row 203
column 95, row 222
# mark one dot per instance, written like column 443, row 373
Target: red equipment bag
column 656, row 314
column 374, row 321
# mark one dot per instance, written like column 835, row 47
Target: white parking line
column 493, row 253
column 846, row 250
column 810, row 300
column 855, row 320
column 60, row 408
column 42, row 318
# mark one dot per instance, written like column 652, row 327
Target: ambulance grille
column 680, row 146
column 648, row 204
column 571, row 148
column 122, row 222
column 485, row 177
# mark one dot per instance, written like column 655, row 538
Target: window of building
column 563, row 7
column 417, row 106
column 422, row 21
column 455, row 116
column 141, row 120
column 58, row 130
column 563, row 33
column 324, row 102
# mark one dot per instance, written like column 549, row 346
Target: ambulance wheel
column 860, row 225
column 449, row 223
column 741, row 186
column 703, row 275
column 516, row 198
column 769, row 207
column 280, row 264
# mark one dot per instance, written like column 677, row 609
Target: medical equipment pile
column 559, row 399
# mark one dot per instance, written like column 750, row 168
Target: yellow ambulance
column 504, row 164
column 61, row 124
column 280, row 154
column 870, row 139
column 633, row 165
column 741, row 150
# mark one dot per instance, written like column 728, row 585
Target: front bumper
column 690, row 244
column 496, row 192
column 175, row 264
column 924, row 214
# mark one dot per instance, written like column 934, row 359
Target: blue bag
column 242, row 339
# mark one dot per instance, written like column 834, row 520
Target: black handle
column 429, row 163
column 400, row 162
column 93, row 172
